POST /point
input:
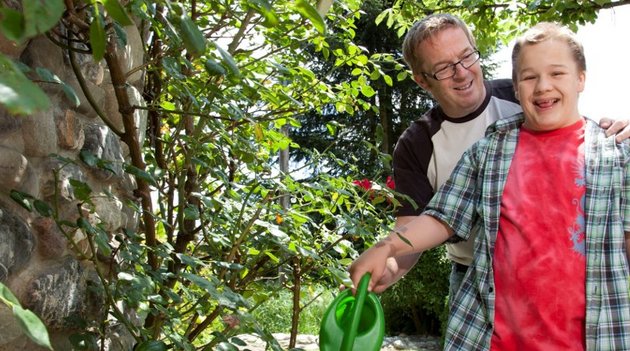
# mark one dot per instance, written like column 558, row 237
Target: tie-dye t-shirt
column 539, row 259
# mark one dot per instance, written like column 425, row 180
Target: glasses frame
column 453, row 66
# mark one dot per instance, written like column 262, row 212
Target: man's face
column 461, row 94
column 548, row 84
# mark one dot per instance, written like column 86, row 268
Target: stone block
column 16, row 243
column 8, row 122
column 101, row 142
column 59, row 294
column 50, row 241
column 38, row 132
column 13, row 169
column 69, row 130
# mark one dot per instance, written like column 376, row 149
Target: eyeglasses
column 451, row 69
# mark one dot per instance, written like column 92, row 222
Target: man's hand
column 620, row 127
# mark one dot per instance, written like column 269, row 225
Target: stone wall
column 37, row 261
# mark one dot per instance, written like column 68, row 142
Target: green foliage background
column 229, row 84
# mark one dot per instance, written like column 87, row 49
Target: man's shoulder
column 425, row 126
column 502, row 89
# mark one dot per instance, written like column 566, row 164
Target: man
column 441, row 52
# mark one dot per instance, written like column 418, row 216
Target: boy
column 547, row 194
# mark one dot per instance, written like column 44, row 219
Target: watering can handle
column 348, row 338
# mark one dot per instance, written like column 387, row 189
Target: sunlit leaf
column 97, row 37
column 264, row 8
column 117, row 12
column 17, row 93
column 309, row 12
column 32, row 326
column 7, row 296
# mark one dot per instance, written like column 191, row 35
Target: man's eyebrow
column 467, row 50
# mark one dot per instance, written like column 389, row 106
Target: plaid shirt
column 471, row 199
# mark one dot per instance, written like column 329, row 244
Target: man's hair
column 424, row 29
column 544, row 31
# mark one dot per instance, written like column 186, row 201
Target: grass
column 275, row 314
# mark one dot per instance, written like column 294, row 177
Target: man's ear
column 421, row 80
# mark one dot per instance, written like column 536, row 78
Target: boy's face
column 461, row 94
column 548, row 83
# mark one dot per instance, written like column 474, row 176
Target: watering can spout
column 353, row 323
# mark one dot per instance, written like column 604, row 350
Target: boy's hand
column 620, row 127
column 374, row 261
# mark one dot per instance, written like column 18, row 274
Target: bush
column 417, row 304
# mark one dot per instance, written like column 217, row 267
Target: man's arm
column 420, row 234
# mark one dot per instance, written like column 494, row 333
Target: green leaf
column 403, row 238
column 12, row 24
column 97, row 37
column 367, row 90
column 388, row 80
column 401, row 76
column 151, row 345
column 191, row 212
column 7, row 296
column 214, row 68
column 194, row 40
column 200, row 282
column 264, row 8
column 117, row 12
column 17, row 93
column 32, row 326
column 81, row 190
column 144, row 175
column 40, row 16
column 97, row 234
column 89, row 158
column 43, row 208
column 229, row 60
column 309, row 12
column 22, row 199
column 50, row 77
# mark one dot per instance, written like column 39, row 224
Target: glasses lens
column 444, row 73
column 450, row 70
column 470, row 59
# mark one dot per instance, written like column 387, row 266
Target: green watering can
column 353, row 323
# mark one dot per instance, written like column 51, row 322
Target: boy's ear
column 581, row 81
